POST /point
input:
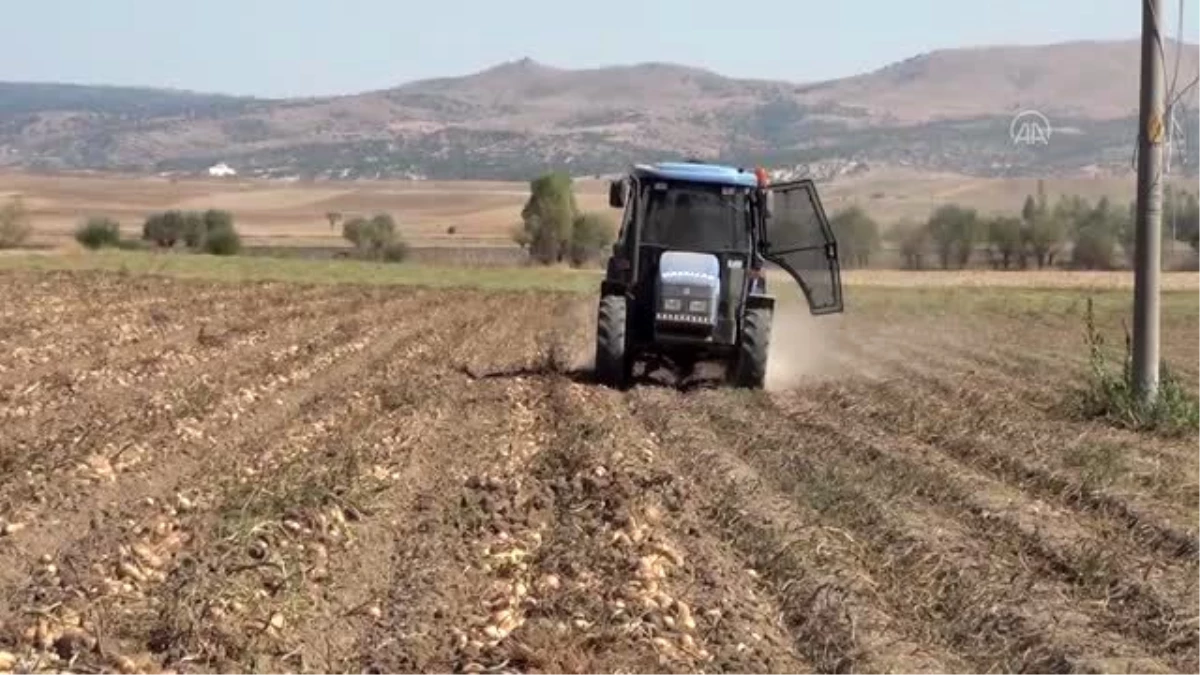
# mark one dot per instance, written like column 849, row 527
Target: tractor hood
column 689, row 286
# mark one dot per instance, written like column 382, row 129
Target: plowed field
column 271, row 477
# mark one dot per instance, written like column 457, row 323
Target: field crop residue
column 268, row 476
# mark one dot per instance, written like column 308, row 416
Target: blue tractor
column 686, row 282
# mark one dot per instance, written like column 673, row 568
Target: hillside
column 1088, row 80
column 947, row 110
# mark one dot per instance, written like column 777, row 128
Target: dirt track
column 276, row 478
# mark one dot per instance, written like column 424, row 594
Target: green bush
column 396, row 251
column 1113, row 396
column 194, row 230
column 216, row 219
column 375, row 238
column 370, row 234
column 210, row 231
column 224, row 240
column 165, row 229
column 98, row 232
column 857, row 235
column 1005, row 241
column 590, row 234
column 954, row 230
column 912, row 239
column 198, row 226
column 548, row 218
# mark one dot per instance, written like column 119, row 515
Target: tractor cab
column 687, row 275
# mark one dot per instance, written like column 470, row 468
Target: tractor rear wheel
column 750, row 365
column 614, row 368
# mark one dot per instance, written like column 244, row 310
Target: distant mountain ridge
column 946, row 110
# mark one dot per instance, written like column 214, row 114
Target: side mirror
column 616, row 194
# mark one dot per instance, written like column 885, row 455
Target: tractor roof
column 715, row 174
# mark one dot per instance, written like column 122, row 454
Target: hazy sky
column 302, row 47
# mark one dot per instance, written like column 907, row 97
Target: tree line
column 1073, row 233
column 211, row 231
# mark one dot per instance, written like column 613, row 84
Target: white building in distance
column 221, row 170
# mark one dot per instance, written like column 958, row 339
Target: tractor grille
column 677, row 290
column 683, row 318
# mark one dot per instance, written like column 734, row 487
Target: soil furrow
column 562, row 566
column 100, row 439
column 55, row 300
column 436, row 616
column 96, row 552
column 207, row 448
column 282, row 531
column 102, row 373
column 330, row 637
column 1092, row 472
column 897, row 507
column 1141, row 596
column 389, row 479
column 1023, row 403
column 113, row 321
column 828, row 591
column 440, row 575
column 557, row 601
column 625, row 477
column 392, row 468
column 230, row 333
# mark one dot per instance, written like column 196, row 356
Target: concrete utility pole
column 1147, row 266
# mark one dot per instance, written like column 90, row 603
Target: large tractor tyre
column 750, row 366
column 613, row 365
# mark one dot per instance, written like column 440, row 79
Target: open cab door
column 799, row 240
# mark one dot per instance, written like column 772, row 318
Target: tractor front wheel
column 613, row 367
column 750, row 365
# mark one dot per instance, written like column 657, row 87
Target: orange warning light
column 761, row 174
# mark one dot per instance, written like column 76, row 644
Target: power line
column 1172, row 125
column 1172, row 98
